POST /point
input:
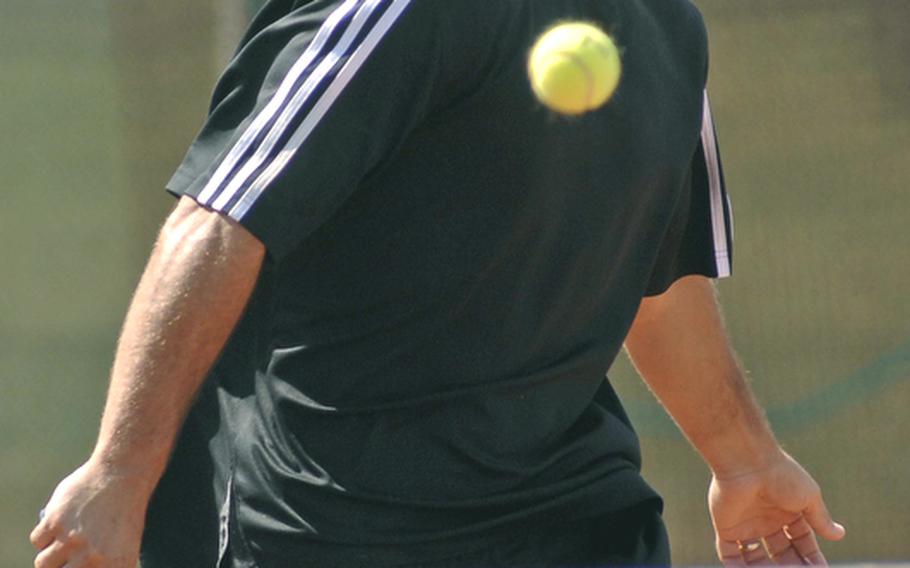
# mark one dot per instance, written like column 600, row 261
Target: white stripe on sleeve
column 319, row 110
column 280, row 97
column 715, row 182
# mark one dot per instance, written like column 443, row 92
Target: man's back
column 454, row 267
column 430, row 273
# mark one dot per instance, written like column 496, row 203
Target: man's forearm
column 193, row 291
column 680, row 348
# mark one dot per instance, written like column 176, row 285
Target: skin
column 200, row 276
column 765, row 507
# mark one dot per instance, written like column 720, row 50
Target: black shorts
column 631, row 537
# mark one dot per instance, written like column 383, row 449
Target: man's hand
column 759, row 496
column 770, row 516
column 194, row 289
column 93, row 519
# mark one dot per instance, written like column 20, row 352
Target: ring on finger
column 745, row 546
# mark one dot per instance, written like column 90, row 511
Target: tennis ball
column 574, row 67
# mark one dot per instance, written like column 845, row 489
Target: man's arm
column 194, row 289
column 680, row 348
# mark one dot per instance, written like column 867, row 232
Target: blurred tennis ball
column 574, row 67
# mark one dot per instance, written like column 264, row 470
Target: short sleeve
column 699, row 239
column 309, row 106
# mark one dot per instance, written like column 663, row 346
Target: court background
column 100, row 99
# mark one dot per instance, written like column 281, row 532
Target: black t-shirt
column 451, row 266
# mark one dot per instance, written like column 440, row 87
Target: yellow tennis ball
column 574, row 67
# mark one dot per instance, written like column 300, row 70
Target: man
column 397, row 281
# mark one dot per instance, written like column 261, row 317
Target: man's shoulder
column 680, row 18
column 681, row 29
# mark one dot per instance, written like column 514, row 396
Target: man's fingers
column 781, row 549
column 53, row 556
column 728, row 552
column 804, row 542
column 743, row 553
column 792, row 546
column 820, row 520
column 753, row 552
column 42, row 535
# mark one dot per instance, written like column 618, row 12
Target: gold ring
column 749, row 546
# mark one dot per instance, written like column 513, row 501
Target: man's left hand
column 771, row 516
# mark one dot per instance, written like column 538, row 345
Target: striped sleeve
column 310, row 105
column 700, row 237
